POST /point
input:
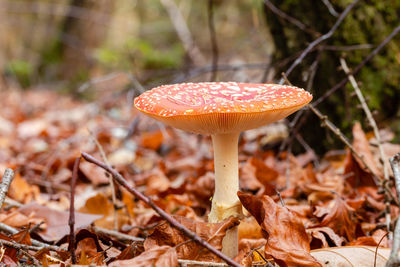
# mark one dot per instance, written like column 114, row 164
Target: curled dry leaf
column 163, row 256
column 340, row 218
column 287, row 240
column 256, row 175
column 357, row 175
column 213, row 233
column 325, row 236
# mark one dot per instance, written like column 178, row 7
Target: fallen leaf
column 326, row 236
column 56, row 221
column 256, row 175
column 287, row 240
column 163, row 256
column 213, row 233
column 152, row 140
column 360, row 256
column 340, row 218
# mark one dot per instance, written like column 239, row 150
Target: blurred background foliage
column 69, row 45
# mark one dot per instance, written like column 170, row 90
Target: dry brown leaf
column 21, row 191
column 93, row 173
column 256, row 175
column 376, row 238
column 152, row 140
column 213, row 233
column 163, row 256
column 287, row 240
column 56, row 221
column 249, row 229
column 201, row 190
column 325, row 235
column 360, row 256
column 355, row 170
column 340, row 218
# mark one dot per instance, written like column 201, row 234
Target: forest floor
column 325, row 203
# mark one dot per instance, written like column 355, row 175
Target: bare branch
column 370, row 118
column 183, row 31
column 331, row 9
column 320, row 39
column 328, row 124
column 292, row 20
column 213, row 37
column 359, row 66
column 6, row 228
column 121, row 180
column 394, row 259
column 201, row 263
column 110, row 180
column 71, row 221
column 6, row 180
column 117, row 235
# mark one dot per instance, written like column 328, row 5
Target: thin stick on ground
column 117, row 235
column 394, row 259
column 11, row 230
column 110, row 180
column 6, row 180
column 121, row 180
column 23, row 249
column 372, row 122
column 71, row 222
column 201, row 263
column 328, row 124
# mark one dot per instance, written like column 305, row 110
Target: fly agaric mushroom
column 222, row 110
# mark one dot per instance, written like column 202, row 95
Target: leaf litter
column 333, row 206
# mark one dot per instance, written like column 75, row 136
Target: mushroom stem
column 225, row 202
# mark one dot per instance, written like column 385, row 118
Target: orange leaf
column 163, row 256
column 340, row 218
column 287, row 240
column 213, row 233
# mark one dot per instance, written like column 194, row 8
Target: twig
column 6, row 228
column 359, row 66
column 118, row 235
column 36, row 227
column 202, row 263
column 110, row 180
column 320, row 39
column 183, row 31
column 71, row 221
column 213, row 37
column 369, row 117
column 22, row 248
column 327, row 123
column 377, row 246
column 346, row 47
column 394, row 259
column 372, row 122
column 331, row 9
column 5, row 184
column 292, row 20
column 121, row 180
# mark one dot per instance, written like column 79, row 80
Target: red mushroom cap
column 221, row 107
